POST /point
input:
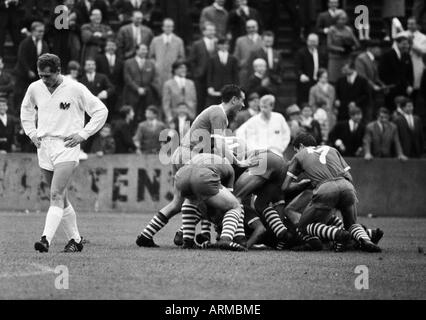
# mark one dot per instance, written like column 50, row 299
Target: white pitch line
column 43, row 270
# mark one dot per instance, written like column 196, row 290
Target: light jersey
column 62, row 113
column 319, row 164
column 210, row 121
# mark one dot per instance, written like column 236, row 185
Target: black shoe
column 339, row 246
column 73, row 246
column 314, row 244
column 202, row 238
column 241, row 241
column 189, row 244
column 178, row 239
column 377, row 235
column 368, row 246
column 143, row 241
column 42, row 245
column 229, row 245
column 343, row 236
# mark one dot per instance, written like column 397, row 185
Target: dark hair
column 306, row 139
column 350, row 64
column 124, row 111
column 400, row 101
column 73, row 65
column 229, row 91
column 268, row 33
column 320, row 72
column 177, row 65
column 140, row 45
column 354, row 111
column 382, row 110
column 36, row 24
column 153, row 109
column 49, row 60
column 372, row 43
column 222, row 41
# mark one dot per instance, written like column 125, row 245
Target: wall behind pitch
column 130, row 183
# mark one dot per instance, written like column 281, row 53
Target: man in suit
column 217, row 15
column 126, row 7
column 324, row 21
column 381, row 138
column 131, row 35
column 238, row 18
column 244, row 47
column 308, row 61
column 139, row 76
column 222, row 69
column 111, row 65
column 85, row 7
column 26, row 66
column 178, row 90
column 272, row 58
column 366, row 66
column 347, row 136
column 9, row 21
column 122, row 131
column 351, row 88
column 97, row 83
column 182, row 121
column 200, row 53
column 396, row 70
column 259, row 81
column 8, row 126
column 410, row 131
column 6, row 82
column 165, row 50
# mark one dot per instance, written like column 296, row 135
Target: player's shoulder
column 35, row 85
column 278, row 116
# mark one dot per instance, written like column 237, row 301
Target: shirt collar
column 167, row 37
column 352, row 77
column 370, row 55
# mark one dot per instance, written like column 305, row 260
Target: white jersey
column 61, row 113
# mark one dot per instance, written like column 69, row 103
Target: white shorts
column 53, row 151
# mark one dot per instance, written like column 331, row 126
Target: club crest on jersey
column 64, row 105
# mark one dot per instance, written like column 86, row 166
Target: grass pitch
column 111, row 266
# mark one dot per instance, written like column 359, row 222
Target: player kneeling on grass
column 60, row 104
column 208, row 179
column 329, row 173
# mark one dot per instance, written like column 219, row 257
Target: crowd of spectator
column 139, row 58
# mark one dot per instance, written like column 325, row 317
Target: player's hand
column 73, row 140
column 304, row 181
column 103, row 95
column 409, row 90
column 31, row 74
column 100, row 154
column 402, row 157
column 304, row 78
column 36, row 141
column 368, row 157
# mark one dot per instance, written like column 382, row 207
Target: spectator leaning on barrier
column 410, row 131
column 347, row 136
column 8, row 126
column 147, row 137
column 309, row 124
column 380, row 136
column 103, row 143
column 122, row 131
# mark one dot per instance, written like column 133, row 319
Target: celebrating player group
column 241, row 184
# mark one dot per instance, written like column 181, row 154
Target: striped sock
column 190, row 218
column 240, row 228
column 306, row 237
column 322, row 231
column 368, row 231
column 335, row 221
column 274, row 221
column 358, row 232
column 280, row 245
column 229, row 224
column 155, row 225
column 205, row 226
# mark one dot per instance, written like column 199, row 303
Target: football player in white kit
column 60, row 105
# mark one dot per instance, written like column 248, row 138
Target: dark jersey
column 319, row 164
column 210, row 121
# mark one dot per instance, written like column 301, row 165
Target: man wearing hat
column 396, row 70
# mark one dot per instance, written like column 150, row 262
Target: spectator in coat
column 84, row 9
column 10, row 22
column 103, row 143
column 396, row 70
column 166, row 49
column 73, row 70
column 253, row 102
column 222, row 70
column 177, row 90
column 238, row 18
column 271, row 56
column 325, row 20
column 308, row 62
column 259, row 81
column 200, row 53
column 139, row 87
column 381, row 137
column 147, row 137
column 309, row 124
column 131, row 35
column 179, row 11
column 122, row 131
column 182, row 120
column 6, row 82
column 410, row 131
column 26, row 65
column 217, row 15
column 94, row 35
column 351, row 88
column 347, row 136
column 111, row 65
column 8, row 127
column 244, row 47
column 125, row 8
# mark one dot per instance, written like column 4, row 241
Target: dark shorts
column 339, row 193
column 301, row 201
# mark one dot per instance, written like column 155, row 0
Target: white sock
column 53, row 219
column 69, row 224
